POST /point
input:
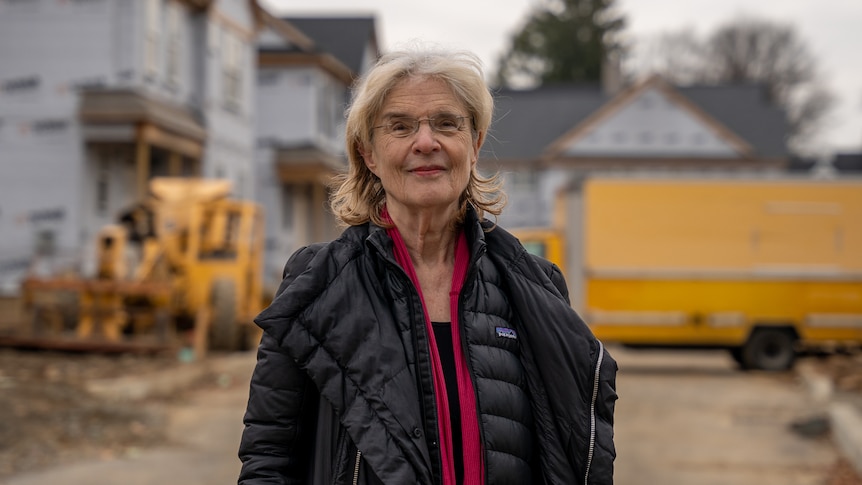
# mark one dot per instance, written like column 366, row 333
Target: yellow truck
column 182, row 267
column 764, row 267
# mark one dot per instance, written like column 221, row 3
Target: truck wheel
column 736, row 354
column 225, row 333
column 769, row 349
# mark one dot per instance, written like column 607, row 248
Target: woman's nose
column 425, row 139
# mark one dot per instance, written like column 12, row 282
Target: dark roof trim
column 280, row 58
column 287, row 31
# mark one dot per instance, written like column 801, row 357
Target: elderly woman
column 425, row 345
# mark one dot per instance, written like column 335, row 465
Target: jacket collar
column 474, row 228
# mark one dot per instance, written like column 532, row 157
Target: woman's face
column 428, row 169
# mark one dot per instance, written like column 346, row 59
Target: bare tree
column 750, row 50
column 677, row 56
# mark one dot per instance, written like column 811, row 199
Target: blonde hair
column 358, row 195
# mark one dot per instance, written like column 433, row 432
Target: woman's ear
column 477, row 146
column 368, row 158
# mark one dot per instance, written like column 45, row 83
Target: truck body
column 764, row 267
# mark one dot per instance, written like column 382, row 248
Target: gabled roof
column 281, row 43
column 346, row 38
column 539, row 124
column 744, row 109
column 287, row 32
column 527, row 122
column 621, row 101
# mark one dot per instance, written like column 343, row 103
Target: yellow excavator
column 180, row 269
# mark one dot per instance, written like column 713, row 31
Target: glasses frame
column 388, row 126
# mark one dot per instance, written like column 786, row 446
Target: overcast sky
column 830, row 28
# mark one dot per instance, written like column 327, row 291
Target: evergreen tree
column 562, row 41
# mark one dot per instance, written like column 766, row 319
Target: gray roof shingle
column 744, row 109
column 346, row 38
column 526, row 122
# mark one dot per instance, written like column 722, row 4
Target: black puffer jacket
column 342, row 391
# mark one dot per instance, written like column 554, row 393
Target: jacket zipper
column 593, row 413
column 356, row 468
column 414, row 294
column 470, row 271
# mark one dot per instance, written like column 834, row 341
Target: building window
column 330, row 110
column 267, row 77
column 102, row 174
column 671, row 138
column 46, row 242
column 241, row 192
column 153, row 30
column 287, row 207
column 523, row 180
column 232, row 71
column 645, row 137
column 18, row 85
column 174, row 43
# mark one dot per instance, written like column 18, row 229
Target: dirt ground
column 48, row 418
column 846, row 374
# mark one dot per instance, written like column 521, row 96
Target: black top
column 443, row 337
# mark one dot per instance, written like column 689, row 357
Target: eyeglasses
column 402, row 127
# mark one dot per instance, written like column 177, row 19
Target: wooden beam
column 142, row 162
column 171, row 142
column 289, row 174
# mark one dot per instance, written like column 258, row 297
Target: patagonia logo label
column 506, row 333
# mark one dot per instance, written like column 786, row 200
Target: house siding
column 49, row 174
column 652, row 126
column 43, row 166
column 286, row 105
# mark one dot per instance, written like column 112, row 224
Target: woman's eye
column 447, row 123
column 398, row 126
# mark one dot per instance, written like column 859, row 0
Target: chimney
column 612, row 76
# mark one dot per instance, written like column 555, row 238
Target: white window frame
column 152, row 40
column 174, row 43
column 232, row 73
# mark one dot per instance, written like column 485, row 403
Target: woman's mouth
column 427, row 170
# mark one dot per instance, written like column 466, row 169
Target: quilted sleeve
column 277, row 441
column 556, row 276
column 279, row 420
